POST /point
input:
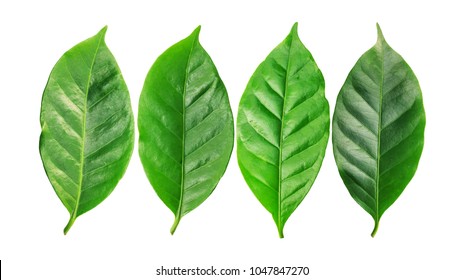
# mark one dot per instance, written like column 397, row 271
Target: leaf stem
column 375, row 229
column 70, row 223
column 280, row 232
column 174, row 226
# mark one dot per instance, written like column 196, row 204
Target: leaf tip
column 103, row 31
column 294, row 28
column 195, row 32
column 295, row 25
column 380, row 33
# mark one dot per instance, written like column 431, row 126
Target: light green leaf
column 283, row 128
column 186, row 126
column 378, row 128
column 87, row 126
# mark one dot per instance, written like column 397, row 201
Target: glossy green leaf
column 87, row 126
column 186, row 126
column 283, row 128
column 378, row 128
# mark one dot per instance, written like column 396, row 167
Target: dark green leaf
column 186, row 126
column 87, row 126
column 283, row 128
column 378, row 128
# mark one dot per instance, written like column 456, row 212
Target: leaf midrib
column 378, row 151
column 280, row 156
column 178, row 215
column 82, row 154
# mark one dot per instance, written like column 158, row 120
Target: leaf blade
column 185, row 99
column 72, row 129
column 379, row 107
column 284, row 101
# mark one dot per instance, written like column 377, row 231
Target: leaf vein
column 262, row 136
column 201, row 95
column 106, row 144
column 102, row 98
column 64, row 121
column 208, row 163
column 64, row 148
column 360, row 187
column 355, row 143
column 205, row 143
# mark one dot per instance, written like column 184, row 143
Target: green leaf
column 283, row 128
column 378, row 128
column 87, row 126
column 186, row 126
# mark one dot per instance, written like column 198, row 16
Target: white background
column 127, row 236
